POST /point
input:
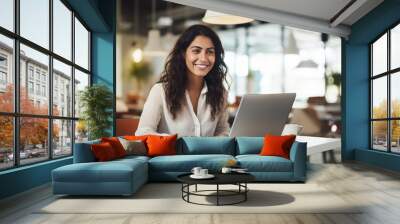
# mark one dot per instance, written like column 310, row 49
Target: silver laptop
column 259, row 114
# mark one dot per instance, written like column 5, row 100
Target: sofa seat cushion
column 185, row 163
column 133, row 158
column 257, row 163
column 111, row 171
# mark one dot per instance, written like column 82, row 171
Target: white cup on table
column 226, row 170
column 196, row 170
column 203, row 172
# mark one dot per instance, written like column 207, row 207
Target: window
column 7, row 14
column 6, row 71
column 62, row 74
column 3, row 72
column 43, row 77
column 6, row 143
column 62, row 31
column 274, row 71
column 38, row 89
column 54, row 126
column 43, row 90
column 30, row 87
column 81, row 81
column 385, row 94
column 55, row 102
column 30, row 72
column 34, row 21
column 3, row 61
column 81, row 45
column 3, row 78
column 37, row 74
column 33, row 149
column 62, row 140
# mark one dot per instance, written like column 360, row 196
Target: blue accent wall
column 104, row 52
column 100, row 17
column 356, row 102
column 377, row 158
column 90, row 12
column 356, row 98
column 24, row 178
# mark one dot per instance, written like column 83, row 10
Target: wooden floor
column 377, row 188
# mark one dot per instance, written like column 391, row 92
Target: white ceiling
column 321, row 9
column 314, row 15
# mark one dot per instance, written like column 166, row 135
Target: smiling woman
column 190, row 98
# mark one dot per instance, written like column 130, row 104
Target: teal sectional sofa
column 125, row 176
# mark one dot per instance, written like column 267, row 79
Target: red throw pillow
column 277, row 145
column 103, row 151
column 161, row 145
column 116, row 145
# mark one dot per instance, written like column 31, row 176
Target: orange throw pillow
column 103, row 152
column 277, row 145
column 161, row 145
column 116, row 145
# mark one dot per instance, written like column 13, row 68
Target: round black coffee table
column 238, row 179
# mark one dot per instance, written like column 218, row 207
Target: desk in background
column 321, row 145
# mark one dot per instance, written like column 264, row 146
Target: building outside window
column 55, row 140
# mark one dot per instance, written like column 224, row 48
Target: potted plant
column 96, row 104
column 141, row 72
column 332, row 87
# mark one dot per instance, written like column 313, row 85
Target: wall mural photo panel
column 260, row 58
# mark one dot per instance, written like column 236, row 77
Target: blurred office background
column 261, row 58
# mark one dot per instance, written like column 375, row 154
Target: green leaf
column 96, row 102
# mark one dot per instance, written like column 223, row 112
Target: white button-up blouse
column 156, row 118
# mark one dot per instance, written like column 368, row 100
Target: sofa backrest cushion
column 206, row 145
column 249, row 145
column 83, row 153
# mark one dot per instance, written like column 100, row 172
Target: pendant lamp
column 218, row 18
column 153, row 46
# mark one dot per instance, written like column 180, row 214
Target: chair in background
column 126, row 126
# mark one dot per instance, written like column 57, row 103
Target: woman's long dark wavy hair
column 174, row 77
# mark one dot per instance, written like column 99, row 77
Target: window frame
column 16, row 114
column 388, row 74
